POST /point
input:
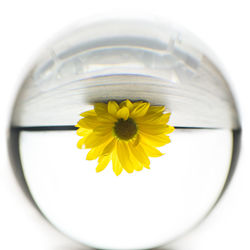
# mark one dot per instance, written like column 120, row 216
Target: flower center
column 125, row 130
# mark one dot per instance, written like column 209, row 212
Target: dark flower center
column 125, row 130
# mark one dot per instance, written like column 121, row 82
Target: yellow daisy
column 126, row 134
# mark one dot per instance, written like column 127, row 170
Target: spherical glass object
column 110, row 62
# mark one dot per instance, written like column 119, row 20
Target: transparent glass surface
column 118, row 60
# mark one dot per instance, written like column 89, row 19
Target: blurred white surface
column 26, row 26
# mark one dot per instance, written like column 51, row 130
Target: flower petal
column 124, row 156
column 138, row 166
column 113, row 107
column 155, row 140
column 80, row 143
column 95, row 152
column 117, row 168
column 103, row 129
column 94, row 140
column 157, row 118
column 89, row 122
column 100, row 108
column 123, row 113
column 149, row 118
column 137, row 140
column 88, row 113
column 154, row 129
column 109, row 147
column 140, row 110
column 139, row 154
column 151, row 151
column 165, row 118
column 170, row 129
column 127, row 103
column 103, row 163
column 137, row 103
column 83, row 131
column 106, row 118
column 156, row 109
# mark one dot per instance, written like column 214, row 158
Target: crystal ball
column 130, row 75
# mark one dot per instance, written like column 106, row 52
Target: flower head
column 126, row 134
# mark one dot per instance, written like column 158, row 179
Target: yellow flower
column 126, row 134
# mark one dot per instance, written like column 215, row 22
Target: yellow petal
column 149, row 118
column 140, row 110
column 154, row 129
column 170, row 129
column 138, row 166
column 83, row 124
column 151, row 151
column 139, row 154
column 89, row 122
column 127, row 104
column 88, row 113
column 156, row 109
column 113, row 107
column 124, row 156
column 137, row 140
column 165, row 118
column 155, row 140
column 106, row 118
column 83, row 131
column 137, row 103
column 123, row 113
column 80, row 143
column 109, row 147
column 103, row 129
column 117, row 168
column 95, row 152
column 103, row 163
column 156, row 118
column 94, row 140
column 100, row 108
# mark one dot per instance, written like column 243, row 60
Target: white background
column 26, row 26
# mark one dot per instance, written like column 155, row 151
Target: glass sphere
column 125, row 60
